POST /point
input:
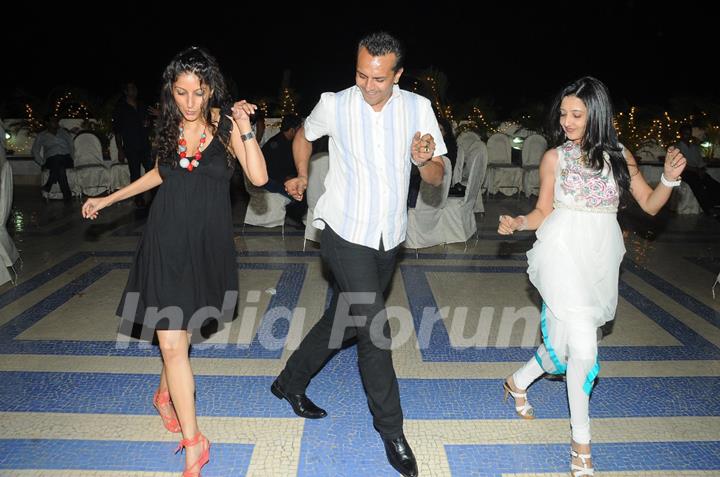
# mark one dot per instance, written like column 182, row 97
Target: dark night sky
column 510, row 54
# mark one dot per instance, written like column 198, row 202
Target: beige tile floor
column 76, row 404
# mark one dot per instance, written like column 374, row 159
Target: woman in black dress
column 185, row 267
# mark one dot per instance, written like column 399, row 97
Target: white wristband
column 668, row 183
column 523, row 223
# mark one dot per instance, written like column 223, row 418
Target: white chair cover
column 479, row 154
column 8, row 252
column 423, row 223
column 119, row 172
column 458, row 217
column 533, row 149
column 457, row 173
column 464, row 141
column 466, row 138
column 502, row 176
column 265, row 209
column 317, row 171
column 649, row 152
column 93, row 176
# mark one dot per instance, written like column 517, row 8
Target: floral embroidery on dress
column 594, row 188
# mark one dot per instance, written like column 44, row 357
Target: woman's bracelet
column 669, row 183
column 523, row 223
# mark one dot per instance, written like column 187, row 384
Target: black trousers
column 57, row 166
column 135, row 159
column 366, row 273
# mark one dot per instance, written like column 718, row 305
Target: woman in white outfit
column 575, row 261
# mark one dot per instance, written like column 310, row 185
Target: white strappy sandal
column 525, row 411
column 578, row 471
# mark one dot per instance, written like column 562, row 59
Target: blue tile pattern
column 689, row 302
column 227, row 459
column 496, row 460
column 420, row 297
column 288, row 292
column 341, row 392
column 345, row 443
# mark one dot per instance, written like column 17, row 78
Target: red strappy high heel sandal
column 170, row 420
column 194, row 469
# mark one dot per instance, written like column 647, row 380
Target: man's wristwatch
column 420, row 164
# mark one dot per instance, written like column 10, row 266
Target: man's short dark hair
column 382, row 43
column 290, row 121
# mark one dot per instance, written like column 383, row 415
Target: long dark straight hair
column 199, row 62
column 600, row 135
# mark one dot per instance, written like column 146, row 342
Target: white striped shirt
column 47, row 145
column 366, row 186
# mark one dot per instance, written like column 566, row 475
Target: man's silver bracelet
column 423, row 164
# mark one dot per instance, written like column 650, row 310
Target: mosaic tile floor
column 75, row 401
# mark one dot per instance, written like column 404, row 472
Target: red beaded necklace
column 186, row 163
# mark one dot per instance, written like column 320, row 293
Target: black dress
column 185, row 260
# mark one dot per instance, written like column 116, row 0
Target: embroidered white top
column 366, row 186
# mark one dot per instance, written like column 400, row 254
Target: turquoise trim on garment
column 559, row 367
column 590, row 380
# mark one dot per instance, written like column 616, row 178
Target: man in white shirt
column 376, row 130
column 53, row 149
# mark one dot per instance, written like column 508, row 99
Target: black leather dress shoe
column 458, row 190
column 401, row 456
column 301, row 404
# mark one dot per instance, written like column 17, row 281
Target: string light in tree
column 473, row 121
column 263, row 107
column 287, row 103
column 436, row 96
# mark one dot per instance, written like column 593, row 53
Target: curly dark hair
column 198, row 62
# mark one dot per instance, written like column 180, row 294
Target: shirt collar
column 395, row 94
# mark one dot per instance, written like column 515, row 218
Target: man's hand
column 422, row 148
column 296, row 187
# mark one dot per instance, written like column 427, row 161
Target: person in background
column 131, row 125
column 54, row 150
column 281, row 166
column 705, row 188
